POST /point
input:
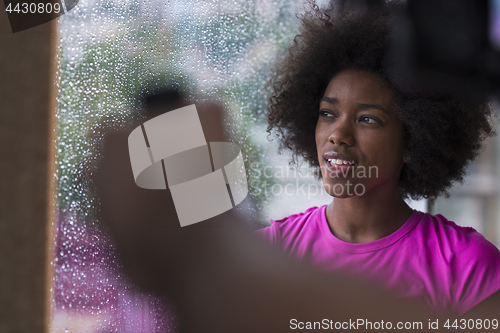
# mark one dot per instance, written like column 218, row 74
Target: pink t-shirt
column 428, row 258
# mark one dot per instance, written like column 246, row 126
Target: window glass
column 112, row 53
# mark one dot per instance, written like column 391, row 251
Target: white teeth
column 339, row 161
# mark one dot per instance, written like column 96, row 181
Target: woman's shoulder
column 462, row 241
column 473, row 261
column 440, row 225
column 291, row 226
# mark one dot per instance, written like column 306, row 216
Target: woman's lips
column 338, row 168
column 339, row 156
column 336, row 162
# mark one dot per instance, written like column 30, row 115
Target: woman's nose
column 342, row 133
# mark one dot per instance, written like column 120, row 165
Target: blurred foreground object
column 449, row 47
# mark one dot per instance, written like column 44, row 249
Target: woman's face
column 359, row 138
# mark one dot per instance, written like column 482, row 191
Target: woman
column 336, row 104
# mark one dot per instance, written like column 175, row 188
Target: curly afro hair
column 440, row 131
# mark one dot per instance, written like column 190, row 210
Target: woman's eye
column 326, row 113
column 369, row 120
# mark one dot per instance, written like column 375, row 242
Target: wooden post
column 27, row 164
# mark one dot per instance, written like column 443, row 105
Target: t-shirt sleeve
column 478, row 269
column 272, row 234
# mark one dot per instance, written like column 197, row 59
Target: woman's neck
column 362, row 219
